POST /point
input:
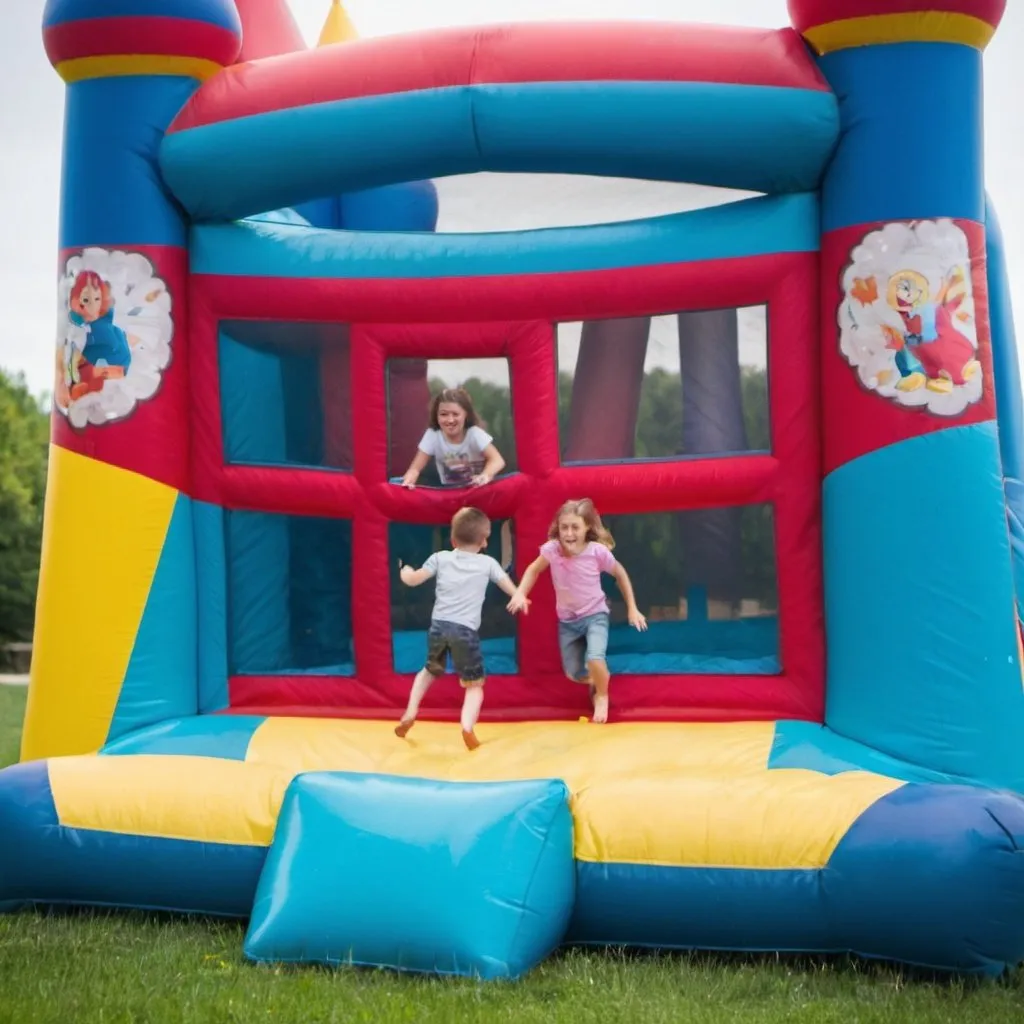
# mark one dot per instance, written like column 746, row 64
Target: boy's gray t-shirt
column 462, row 578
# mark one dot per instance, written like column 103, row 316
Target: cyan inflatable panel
column 758, row 138
column 923, row 659
column 224, row 736
column 439, row 877
column 810, row 746
column 212, row 598
column 754, row 227
column 232, row 169
column 1006, row 369
column 161, row 679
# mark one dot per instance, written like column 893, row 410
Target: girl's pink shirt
column 577, row 579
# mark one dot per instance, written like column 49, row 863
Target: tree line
column 24, row 447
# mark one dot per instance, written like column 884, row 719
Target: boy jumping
column 462, row 577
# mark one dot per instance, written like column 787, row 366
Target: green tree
column 24, row 436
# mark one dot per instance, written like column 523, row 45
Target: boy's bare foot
column 404, row 726
column 469, row 738
column 600, row 710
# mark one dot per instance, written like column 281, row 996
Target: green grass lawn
column 83, row 968
column 12, row 711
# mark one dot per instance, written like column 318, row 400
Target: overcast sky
column 31, row 126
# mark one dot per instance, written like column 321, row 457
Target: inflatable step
column 472, row 879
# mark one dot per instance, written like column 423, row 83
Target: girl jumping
column 578, row 550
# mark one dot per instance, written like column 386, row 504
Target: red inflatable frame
column 513, row 317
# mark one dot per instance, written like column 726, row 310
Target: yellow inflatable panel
column 205, row 799
column 776, row 819
column 89, row 607
column 656, row 794
column 668, row 795
column 82, row 68
column 920, row 27
column 577, row 752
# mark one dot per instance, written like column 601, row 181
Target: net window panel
column 680, row 398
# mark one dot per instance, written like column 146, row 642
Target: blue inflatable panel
column 921, row 181
column 112, row 194
column 450, row 878
column 43, row 861
column 213, row 12
column 410, row 206
column 930, row 875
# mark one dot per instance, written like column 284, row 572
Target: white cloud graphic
column 907, row 317
column 107, row 364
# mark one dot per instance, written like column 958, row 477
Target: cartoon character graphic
column 114, row 336
column 907, row 321
column 107, row 353
column 930, row 351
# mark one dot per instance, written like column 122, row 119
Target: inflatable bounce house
column 819, row 743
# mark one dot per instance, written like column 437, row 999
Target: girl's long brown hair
column 584, row 508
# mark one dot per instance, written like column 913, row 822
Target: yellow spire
column 338, row 27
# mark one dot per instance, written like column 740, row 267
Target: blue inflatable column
column 923, row 658
column 121, row 395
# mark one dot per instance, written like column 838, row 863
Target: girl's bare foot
column 404, row 726
column 469, row 738
column 600, row 710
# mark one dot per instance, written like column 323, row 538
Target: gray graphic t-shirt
column 462, row 578
column 457, row 464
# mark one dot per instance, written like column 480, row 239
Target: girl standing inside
column 463, row 452
column 578, row 550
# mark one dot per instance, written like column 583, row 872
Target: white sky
column 31, row 128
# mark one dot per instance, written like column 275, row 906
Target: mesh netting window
column 285, row 395
column 412, row 383
column 411, row 607
column 664, row 387
column 289, row 590
column 706, row 581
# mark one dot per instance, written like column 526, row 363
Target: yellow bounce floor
column 648, row 793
